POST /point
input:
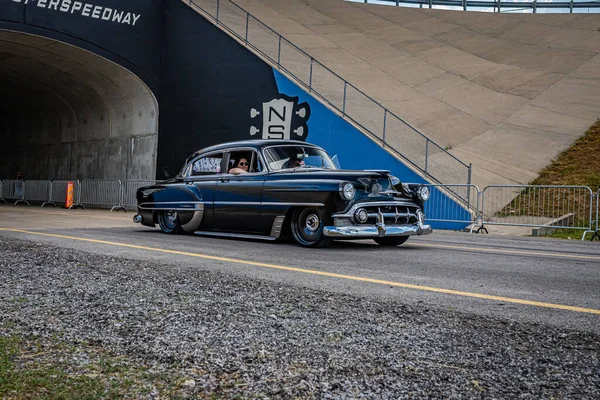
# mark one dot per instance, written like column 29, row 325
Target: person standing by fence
column 19, row 185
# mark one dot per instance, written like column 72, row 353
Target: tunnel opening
column 67, row 113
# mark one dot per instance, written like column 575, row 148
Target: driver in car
column 295, row 162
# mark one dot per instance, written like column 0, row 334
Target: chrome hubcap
column 312, row 222
column 172, row 216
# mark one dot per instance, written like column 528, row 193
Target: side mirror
column 336, row 161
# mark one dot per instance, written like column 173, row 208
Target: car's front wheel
column 391, row 240
column 307, row 228
column 169, row 222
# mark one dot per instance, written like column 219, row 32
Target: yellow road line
column 322, row 273
column 66, row 213
column 516, row 252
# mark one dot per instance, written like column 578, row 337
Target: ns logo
column 281, row 118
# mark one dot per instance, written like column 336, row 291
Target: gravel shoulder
column 215, row 335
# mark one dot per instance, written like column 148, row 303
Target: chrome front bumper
column 380, row 229
column 373, row 231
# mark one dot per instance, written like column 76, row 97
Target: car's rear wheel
column 391, row 240
column 169, row 222
column 307, row 228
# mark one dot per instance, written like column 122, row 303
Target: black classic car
column 271, row 189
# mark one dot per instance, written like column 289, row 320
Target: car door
column 203, row 177
column 237, row 199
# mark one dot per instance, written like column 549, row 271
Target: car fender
column 187, row 200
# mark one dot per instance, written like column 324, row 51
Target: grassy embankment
column 577, row 166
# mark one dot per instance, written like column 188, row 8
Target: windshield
column 282, row 157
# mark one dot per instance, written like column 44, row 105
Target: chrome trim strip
column 173, row 205
column 392, row 192
column 237, row 203
column 235, row 235
column 269, row 203
column 274, row 203
column 171, row 209
column 174, row 202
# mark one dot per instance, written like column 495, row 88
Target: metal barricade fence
column 102, row 192
column 596, row 231
column 387, row 128
column 37, row 190
column 8, row 189
column 59, row 189
column 14, row 189
column 129, row 190
column 538, row 206
column 453, row 203
column 2, row 193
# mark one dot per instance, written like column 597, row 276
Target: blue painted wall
column 357, row 151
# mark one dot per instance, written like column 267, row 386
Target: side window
column 208, row 165
column 244, row 161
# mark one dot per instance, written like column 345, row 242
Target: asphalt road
column 520, row 279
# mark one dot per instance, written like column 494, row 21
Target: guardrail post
column 534, row 5
column 480, row 207
column 596, row 231
column 78, row 204
column 310, row 77
column 469, row 173
column 344, row 99
column 426, row 155
column 279, row 53
column 217, row 14
column 384, row 123
column 571, row 7
column 120, row 206
column 469, row 183
column 247, row 24
column 49, row 195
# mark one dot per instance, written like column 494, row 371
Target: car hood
column 340, row 174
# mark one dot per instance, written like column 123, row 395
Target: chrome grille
column 393, row 215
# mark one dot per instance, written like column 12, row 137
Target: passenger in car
column 240, row 167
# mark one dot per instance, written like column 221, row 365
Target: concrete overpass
column 506, row 92
column 85, row 89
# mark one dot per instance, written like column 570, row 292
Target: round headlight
column 361, row 215
column 423, row 193
column 347, row 191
